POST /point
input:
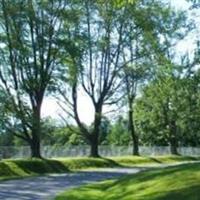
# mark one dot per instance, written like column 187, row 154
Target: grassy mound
column 87, row 162
column 123, row 161
column 178, row 183
column 31, row 167
column 140, row 160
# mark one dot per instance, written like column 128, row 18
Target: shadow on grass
column 41, row 166
column 111, row 163
column 191, row 192
column 184, row 192
column 153, row 173
column 184, row 158
column 6, row 170
column 155, row 160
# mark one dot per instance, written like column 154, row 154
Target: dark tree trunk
column 95, row 134
column 136, row 146
column 132, row 131
column 173, row 148
column 36, row 132
column 35, row 148
column 94, row 150
column 173, row 138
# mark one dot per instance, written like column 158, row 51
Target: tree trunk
column 136, row 146
column 173, row 138
column 36, row 132
column 35, row 148
column 132, row 131
column 173, row 148
column 94, row 150
column 95, row 134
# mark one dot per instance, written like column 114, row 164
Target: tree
column 147, row 43
column 163, row 111
column 159, row 119
column 29, row 58
column 96, row 66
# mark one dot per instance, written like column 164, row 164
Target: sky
column 85, row 108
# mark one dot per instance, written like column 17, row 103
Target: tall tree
column 96, row 67
column 160, row 117
column 29, row 57
column 147, row 44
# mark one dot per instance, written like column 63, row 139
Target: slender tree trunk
column 173, row 148
column 132, row 130
column 171, row 126
column 173, row 139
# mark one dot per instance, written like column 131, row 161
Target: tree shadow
column 41, row 166
column 155, row 160
column 6, row 170
column 184, row 193
column 111, row 163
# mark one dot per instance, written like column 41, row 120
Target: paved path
column 46, row 187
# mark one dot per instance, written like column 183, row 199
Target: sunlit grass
column 174, row 183
column 142, row 160
column 31, row 167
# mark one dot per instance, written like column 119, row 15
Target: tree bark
column 36, row 131
column 35, row 148
column 173, row 148
column 132, row 131
column 173, row 138
column 94, row 152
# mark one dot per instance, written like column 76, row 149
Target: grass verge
column 179, row 183
column 10, row 169
column 31, row 167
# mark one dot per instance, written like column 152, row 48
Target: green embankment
column 173, row 183
column 32, row 167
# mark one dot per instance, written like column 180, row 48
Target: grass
column 173, row 183
column 123, row 161
column 140, row 160
column 10, row 169
column 20, row 168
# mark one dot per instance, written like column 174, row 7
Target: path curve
column 46, row 187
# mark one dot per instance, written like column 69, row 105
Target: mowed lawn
column 18, row 168
column 173, row 183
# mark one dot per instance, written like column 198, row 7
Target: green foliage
column 169, row 99
column 62, row 136
column 119, row 133
column 105, row 130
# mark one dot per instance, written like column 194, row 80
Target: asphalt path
column 46, row 187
